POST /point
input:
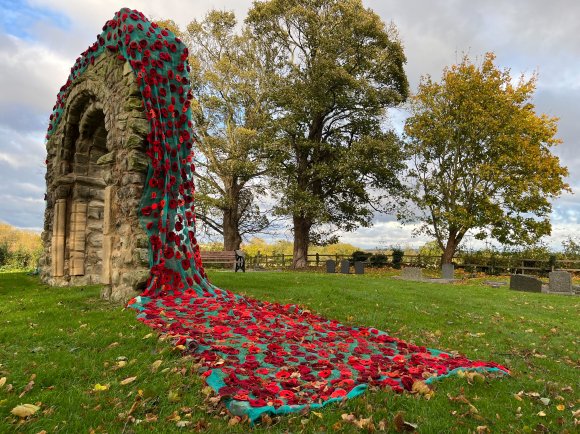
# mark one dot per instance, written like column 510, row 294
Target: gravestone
column 561, row 281
column 412, row 273
column 448, row 271
column 523, row 282
column 345, row 266
column 330, row 266
column 359, row 267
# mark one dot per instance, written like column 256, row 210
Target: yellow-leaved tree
column 481, row 159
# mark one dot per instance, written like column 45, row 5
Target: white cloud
column 96, row 12
column 526, row 35
column 31, row 73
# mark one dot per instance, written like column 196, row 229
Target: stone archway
column 96, row 168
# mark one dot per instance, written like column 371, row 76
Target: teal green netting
column 260, row 357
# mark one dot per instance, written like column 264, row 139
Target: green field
column 57, row 344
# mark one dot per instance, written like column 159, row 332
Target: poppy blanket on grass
column 259, row 357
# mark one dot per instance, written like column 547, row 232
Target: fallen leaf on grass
column 147, row 336
column 150, row 417
column 24, row 410
column 545, row 401
column 127, row 381
column 173, row 417
column 155, row 365
column 464, row 400
column 173, row 396
column 2, row 382
column 542, row 414
column 401, row 425
column 100, row 387
column 113, row 345
column 422, row 389
column 234, row 420
column 482, row 429
column 266, row 420
column 183, row 423
column 28, row 387
column 348, row 417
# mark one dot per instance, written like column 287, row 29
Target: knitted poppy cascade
column 259, row 356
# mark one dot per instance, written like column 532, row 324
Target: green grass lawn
column 57, row 344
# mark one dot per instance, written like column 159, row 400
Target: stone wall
column 96, row 168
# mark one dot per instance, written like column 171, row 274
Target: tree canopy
column 333, row 68
column 481, row 157
column 231, row 118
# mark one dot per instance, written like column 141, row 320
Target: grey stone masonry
column 523, row 282
column 345, row 266
column 96, row 169
column 448, row 271
column 330, row 266
column 560, row 281
column 359, row 267
column 412, row 273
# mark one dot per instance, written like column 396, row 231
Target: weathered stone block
column 345, row 266
column 560, row 281
column 412, row 273
column 107, row 158
column 523, row 282
column 137, row 162
column 331, row 266
column 359, row 267
column 135, row 278
column 138, row 126
column 134, row 141
column 141, row 256
column 448, row 271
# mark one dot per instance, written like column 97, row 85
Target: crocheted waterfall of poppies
column 259, row 356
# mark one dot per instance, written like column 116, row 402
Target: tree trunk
column 302, row 227
column 231, row 213
column 232, row 237
column 450, row 248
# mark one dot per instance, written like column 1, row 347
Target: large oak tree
column 481, row 157
column 232, row 120
column 334, row 68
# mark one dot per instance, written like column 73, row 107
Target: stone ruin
column 96, row 168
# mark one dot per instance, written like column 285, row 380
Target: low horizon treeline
column 570, row 249
column 20, row 249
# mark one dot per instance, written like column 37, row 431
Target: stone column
column 78, row 222
column 58, row 238
column 107, row 236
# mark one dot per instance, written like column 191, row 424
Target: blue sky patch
column 18, row 18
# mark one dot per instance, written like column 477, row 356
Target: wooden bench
column 235, row 258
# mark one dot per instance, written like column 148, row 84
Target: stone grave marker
column 448, row 271
column 359, row 267
column 331, row 266
column 345, row 266
column 523, row 282
column 412, row 273
column 560, row 281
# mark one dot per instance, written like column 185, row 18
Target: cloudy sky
column 40, row 40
